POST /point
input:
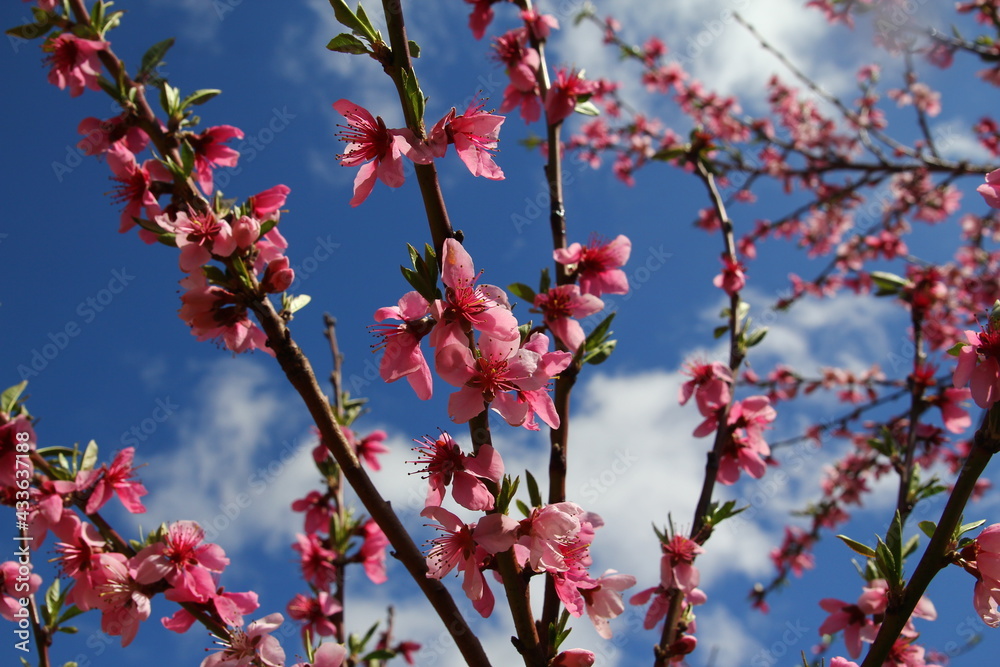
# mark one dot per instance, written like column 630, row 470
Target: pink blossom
column 100, row 135
column 475, row 134
column 314, row 613
column 215, row 313
column 230, row 607
column 13, row 587
column 677, row 568
column 269, row 201
column 575, row 657
column 849, row 618
column 711, row 381
column 317, row 561
column 563, row 303
column 370, row 447
column 444, row 464
column 990, row 190
column 14, row 432
column 955, row 418
column 979, row 364
column 481, row 16
column 604, row 600
column 209, row 153
column 402, row 356
column 376, row 149
column 467, row 306
column 539, row 24
column 183, row 560
column 732, row 279
column 545, row 530
column 118, row 478
column 372, row 551
column 74, row 62
column 134, row 187
column 253, row 646
column 317, row 508
column 598, row 264
column 549, row 366
column 522, row 63
column 465, row 546
column 200, row 236
column 842, row 662
column 78, row 556
column 123, row 602
column 564, row 93
column 327, row 655
column 487, row 379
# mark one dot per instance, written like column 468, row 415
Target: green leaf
column 347, row 43
column 267, row 226
column 587, row 108
column 756, row 337
column 601, row 353
column 53, row 601
column 413, row 94
column 153, row 57
column 8, row 399
column 89, row 459
column 31, row 30
column 956, row 349
column 297, row 302
column 71, row 612
column 858, row 547
column 928, row 528
column 381, row 654
column 911, row 545
column 888, row 283
column 68, row 630
column 522, row 507
column 414, row 49
column 200, row 97
column 366, row 22
column 523, row 291
column 600, row 333
column 533, row 494
column 719, row 332
column 347, row 18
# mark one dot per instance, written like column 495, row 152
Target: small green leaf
column 545, row 282
column 53, row 601
column 414, row 49
column 8, row 399
column 533, row 494
column 587, row 108
column 89, row 459
column 858, row 547
column 267, row 226
column 600, row 333
column 911, row 545
column 970, row 526
column 888, row 283
column 956, row 349
column 297, row 302
column 523, row 291
column 199, row 97
column 719, row 332
column 522, row 507
column 347, row 43
column 153, row 57
column 381, row 654
column 755, row 337
column 601, row 353
column 31, row 30
column 928, row 528
column 347, row 18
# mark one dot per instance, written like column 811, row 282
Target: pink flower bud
column 575, row 657
column 278, row 276
column 246, row 231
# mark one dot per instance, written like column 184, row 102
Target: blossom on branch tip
column 475, row 134
column 575, row 657
column 402, row 356
column 133, row 187
column 990, row 190
column 732, row 279
column 598, row 264
column 209, row 153
column 377, row 150
column 979, row 363
column 117, row 479
column 563, row 94
column 74, row 62
column 183, row 560
column 561, row 305
column 314, row 613
column 253, row 646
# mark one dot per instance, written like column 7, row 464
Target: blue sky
column 232, row 425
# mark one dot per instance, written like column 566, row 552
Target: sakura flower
column 327, row 655
column 134, row 186
column 377, row 150
column 318, row 562
column 100, row 135
column 467, row 306
column 74, row 62
column 444, row 464
column 851, row 619
column 563, row 303
column 118, row 478
column 956, row 419
column 979, row 362
column 372, row 551
column 575, row 657
column 604, row 600
column 263, row 204
column 13, row 587
column 123, row 602
column 501, row 367
column 842, row 662
column 317, row 508
column 402, row 356
column 545, row 530
column 598, row 264
column 475, row 134
column 539, row 24
column 564, row 94
column 677, row 568
column 539, row 401
column 315, row 614
column 990, row 190
column 253, row 646
column 215, row 313
column 481, row 16
column 732, row 279
column 209, row 153
column 79, row 554
column 370, row 447
column 229, row 606
column 711, row 381
column 183, row 560
column 199, row 236
column 465, row 546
